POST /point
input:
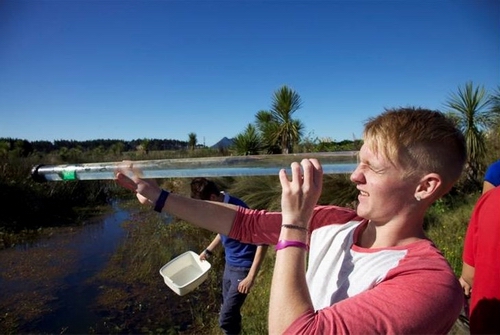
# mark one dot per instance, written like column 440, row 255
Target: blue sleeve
column 236, row 201
column 492, row 174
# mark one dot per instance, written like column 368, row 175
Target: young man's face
column 384, row 192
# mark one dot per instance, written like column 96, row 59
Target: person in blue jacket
column 492, row 177
column 243, row 260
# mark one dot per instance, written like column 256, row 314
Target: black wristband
column 208, row 252
column 161, row 200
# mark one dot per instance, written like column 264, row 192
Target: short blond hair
column 420, row 141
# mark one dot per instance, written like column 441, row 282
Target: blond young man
column 372, row 270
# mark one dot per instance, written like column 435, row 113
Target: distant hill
column 224, row 143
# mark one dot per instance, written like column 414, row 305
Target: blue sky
column 114, row 69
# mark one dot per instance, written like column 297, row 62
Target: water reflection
column 44, row 285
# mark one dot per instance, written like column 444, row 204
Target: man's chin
column 360, row 211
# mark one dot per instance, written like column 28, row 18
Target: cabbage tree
column 469, row 107
column 277, row 126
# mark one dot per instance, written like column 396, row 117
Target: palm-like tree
column 469, row 108
column 268, row 129
column 278, row 127
column 248, row 142
column 192, row 141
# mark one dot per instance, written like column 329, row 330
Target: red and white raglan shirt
column 397, row 290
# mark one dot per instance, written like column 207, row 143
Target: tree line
column 24, row 148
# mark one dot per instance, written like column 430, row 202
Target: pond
column 44, row 285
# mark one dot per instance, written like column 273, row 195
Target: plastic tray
column 185, row 272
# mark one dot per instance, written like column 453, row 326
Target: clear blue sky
column 115, row 69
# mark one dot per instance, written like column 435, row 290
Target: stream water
column 44, row 285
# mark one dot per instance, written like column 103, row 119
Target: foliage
column 4, row 149
column 249, row 142
column 145, row 145
column 308, row 143
column 492, row 136
column 26, row 148
column 285, row 103
column 267, row 129
column 495, row 104
column 192, row 141
column 345, row 145
column 469, row 107
column 262, row 192
column 279, row 130
column 493, row 145
column 43, row 203
column 446, row 224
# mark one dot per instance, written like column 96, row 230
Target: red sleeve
column 263, row 227
column 256, row 226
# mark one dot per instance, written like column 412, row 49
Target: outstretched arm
column 215, row 216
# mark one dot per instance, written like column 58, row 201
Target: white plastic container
column 185, row 272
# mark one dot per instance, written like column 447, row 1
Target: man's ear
column 214, row 197
column 429, row 186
